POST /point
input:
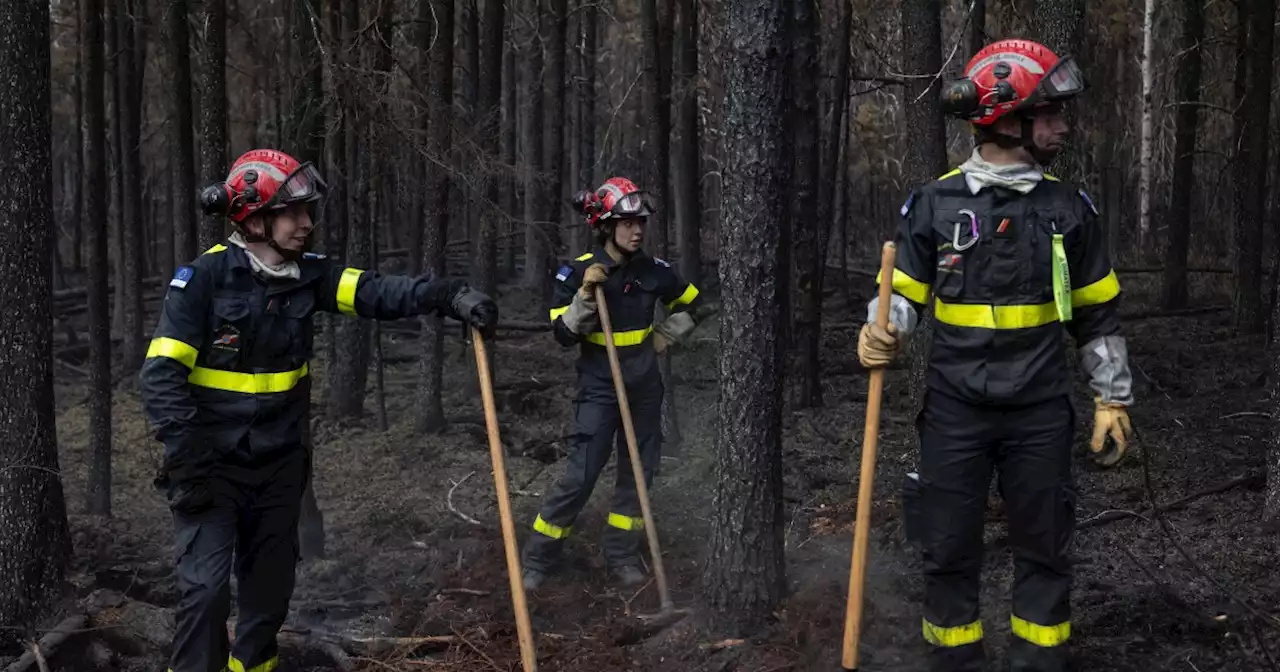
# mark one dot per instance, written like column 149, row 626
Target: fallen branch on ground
column 38, row 651
column 449, row 500
column 1112, row 516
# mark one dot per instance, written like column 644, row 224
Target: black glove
column 185, row 483
column 475, row 308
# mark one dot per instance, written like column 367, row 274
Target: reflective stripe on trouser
column 253, row 521
column 599, row 434
column 960, row 445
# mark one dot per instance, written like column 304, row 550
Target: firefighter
column 633, row 283
column 226, row 386
column 1014, row 258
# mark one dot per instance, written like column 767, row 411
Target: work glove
column 476, row 309
column 581, row 316
column 184, row 481
column 672, row 330
column 878, row 346
column 595, row 275
column 660, row 343
column 1109, row 420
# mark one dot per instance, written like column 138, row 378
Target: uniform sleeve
column 568, row 280
column 362, row 293
column 175, row 345
column 678, row 294
column 1095, row 290
column 914, row 265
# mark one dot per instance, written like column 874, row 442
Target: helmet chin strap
column 267, row 221
column 1024, row 141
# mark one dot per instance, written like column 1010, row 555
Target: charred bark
column 485, row 269
column 690, row 201
column 1251, row 196
column 744, row 577
column 185, row 235
column 35, row 544
column 803, row 210
column 657, row 105
column 430, row 416
column 1174, row 290
column 213, row 109
column 537, row 247
column 132, row 46
column 554, row 164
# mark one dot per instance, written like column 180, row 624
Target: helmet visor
column 1064, row 80
column 303, row 185
column 634, row 204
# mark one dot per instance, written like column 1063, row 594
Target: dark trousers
column 251, row 526
column 599, row 435
column 960, row 444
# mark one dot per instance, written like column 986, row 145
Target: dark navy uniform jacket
column 632, row 291
column 229, row 359
column 999, row 338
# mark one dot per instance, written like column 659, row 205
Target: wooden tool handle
column 523, row 627
column 642, row 490
column 866, row 478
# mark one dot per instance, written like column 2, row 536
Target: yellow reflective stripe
column 985, row 316
column 622, row 338
column 346, row 294
column 235, row 665
column 173, row 349
column 247, row 383
column 625, row 522
column 950, row 173
column 585, row 256
column 554, row 531
column 216, row 248
column 1041, row 635
column 690, row 293
column 1051, row 178
column 907, row 286
column 1094, row 293
column 953, row 637
column 557, row 312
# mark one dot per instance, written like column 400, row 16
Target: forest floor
column 400, row 562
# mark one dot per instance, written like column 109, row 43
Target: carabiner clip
column 973, row 232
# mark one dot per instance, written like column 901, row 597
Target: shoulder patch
column 181, row 277
column 564, row 273
column 313, row 255
column 1088, row 201
column 661, row 262
column 906, row 207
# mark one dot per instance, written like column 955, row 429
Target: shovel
column 668, row 609
column 866, row 478
column 523, row 628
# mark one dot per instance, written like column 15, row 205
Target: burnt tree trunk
column 35, row 544
column 554, row 164
column 430, row 416
column 690, row 201
column 213, row 109
column 98, row 499
column 802, row 199
column 977, row 27
column 1174, row 290
column 334, row 231
column 588, row 170
column 512, row 180
column 484, row 273
column 537, row 247
column 185, row 236
column 1251, row 197
column 657, row 105
column 132, row 47
column 351, row 356
column 745, row 578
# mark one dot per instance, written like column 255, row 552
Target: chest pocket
column 289, row 339
column 230, row 328
column 953, row 263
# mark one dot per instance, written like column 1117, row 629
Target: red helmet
column 263, row 180
column 1011, row 75
column 617, row 198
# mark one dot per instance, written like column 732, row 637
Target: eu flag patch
column 182, row 277
column 564, row 273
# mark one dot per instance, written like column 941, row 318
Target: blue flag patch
column 312, row 255
column 182, row 277
column 906, row 207
column 661, row 262
column 564, row 273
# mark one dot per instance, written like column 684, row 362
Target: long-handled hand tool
column 668, row 607
column 523, row 628
column 866, row 478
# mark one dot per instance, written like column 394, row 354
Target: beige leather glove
column 1109, row 419
column 660, row 342
column 595, row 274
column 876, row 346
